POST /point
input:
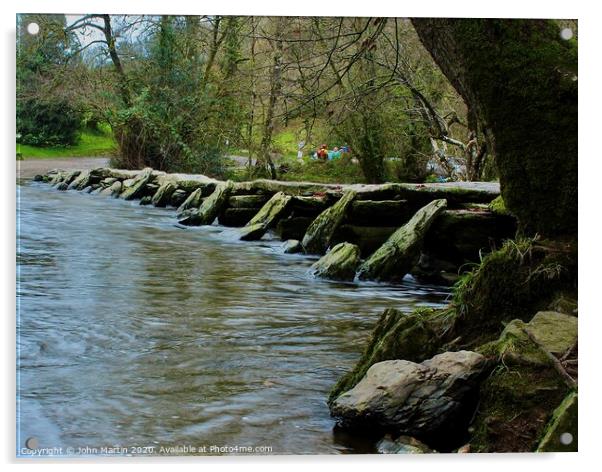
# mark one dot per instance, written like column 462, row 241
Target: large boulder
column 318, row 236
column 81, row 181
column 412, row 336
column 396, row 257
column 136, row 189
column 340, row 263
column 267, row 217
column 430, row 400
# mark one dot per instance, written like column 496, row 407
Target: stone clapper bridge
column 365, row 232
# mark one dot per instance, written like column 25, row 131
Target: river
column 135, row 332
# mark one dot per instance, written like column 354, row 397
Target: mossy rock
column 163, row 195
column 318, row 237
column 415, row 337
column 192, row 201
column 560, row 434
column 516, row 402
column 565, row 303
column 248, row 201
column 210, row 207
column 340, row 263
column 267, row 217
column 396, row 257
column 136, row 189
column 520, row 396
column 498, row 207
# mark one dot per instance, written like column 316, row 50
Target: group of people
column 325, row 154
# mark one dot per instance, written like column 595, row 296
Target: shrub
column 48, row 123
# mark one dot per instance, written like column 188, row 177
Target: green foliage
column 43, row 120
column 340, row 171
column 173, row 123
column 47, row 123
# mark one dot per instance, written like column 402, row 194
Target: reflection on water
column 133, row 331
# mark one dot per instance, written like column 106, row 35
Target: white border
column 589, row 230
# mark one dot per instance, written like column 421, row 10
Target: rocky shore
column 495, row 371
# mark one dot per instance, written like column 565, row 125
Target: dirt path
column 29, row 167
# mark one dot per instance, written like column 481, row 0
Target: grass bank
column 92, row 142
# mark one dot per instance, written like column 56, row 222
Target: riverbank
column 30, row 167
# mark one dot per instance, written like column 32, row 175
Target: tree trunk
column 520, row 78
column 110, row 39
column 275, row 91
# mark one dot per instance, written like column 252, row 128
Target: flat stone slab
column 395, row 258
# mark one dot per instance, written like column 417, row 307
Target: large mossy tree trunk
column 520, row 78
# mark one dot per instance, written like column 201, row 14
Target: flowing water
column 135, row 332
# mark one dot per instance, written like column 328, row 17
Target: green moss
column 564, row 420
column 498, row 206
column 519, row 397
column 516, row 402
column 415, row 336
column 515, row 282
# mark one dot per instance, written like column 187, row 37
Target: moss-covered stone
column 193, row 201
column 377, row 212
column 516, row 402
column 248, row 201
column 396, row 257
column 520, row 396
column 267, row 217
column 414, row 336
column 561, row 431
column 210, row 208
column 318, row 237
column 519, row 279
column 340, row 263
column 163, row 194
column 498, row 207
column 136, row 188
column 367, row 238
